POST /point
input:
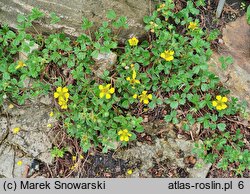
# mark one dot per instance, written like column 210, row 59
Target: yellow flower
column 133, row 41
column 74, row 158
column 85, row 138
column 49, row 125
column 74, row 166
column 144, row 97
column 168, row 55
column 63, row 103
column 106, row 91
column 16, row 130
column 135, row 96
column 11, row 106
column 192, row 25
column 124, row 135
column 20, row 64
column 161, row 6
column 61, row 93
column 129, row 171
column 219, row 103
column 51, row 114
column 133, row 80
column 81, row 156
column 19, row 163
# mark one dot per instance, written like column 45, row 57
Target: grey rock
column 199, row 172
column 9, row 159
column 47, row 100
column 162, row 150
column 236, row 39
column 33, row 137
column 104, row 61
column 3, row 128
column 33, row 141
column 71, row 13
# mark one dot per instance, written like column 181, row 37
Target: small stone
column 145, row 119
column 220, row 41
column 104, row 61
column 47, row 100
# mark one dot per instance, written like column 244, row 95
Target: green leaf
column 125, row 104
column 204, row 87
column 248, row 14
column 95, row 53
column 174, row 104
column 225, row 61
column 139, row 129
column 21, row 18
column 221, row 126
column 111, row 15
column 54, row 18
column 35, row 14
column 86, row 24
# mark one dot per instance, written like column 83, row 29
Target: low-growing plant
column 169, row 69
column 228, row 148
column 57, row 153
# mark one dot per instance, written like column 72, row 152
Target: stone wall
column 71, row 13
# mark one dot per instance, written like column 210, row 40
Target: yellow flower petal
column 100, row 87
column 19, row 163
column 150, row 96
column 16, row 130
column 126, row 138
column 219, row 107
column 135, row 96
column 108, row 96
column 218, row 97
column 137, row 81
column 65, row 90
column 11, row 106
column 163, row 55
column 101, row 94
column 224, row 99
column 66, row 95
column 214, row 103
column 59, row 89
column 56, row 95
column 223, row 106
column 170, row 58
column 145, row 101
column 111, row 90
column 128, row 79
column 129, row 171
column 134, row 74
column 119, row 132
column 121, row 138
